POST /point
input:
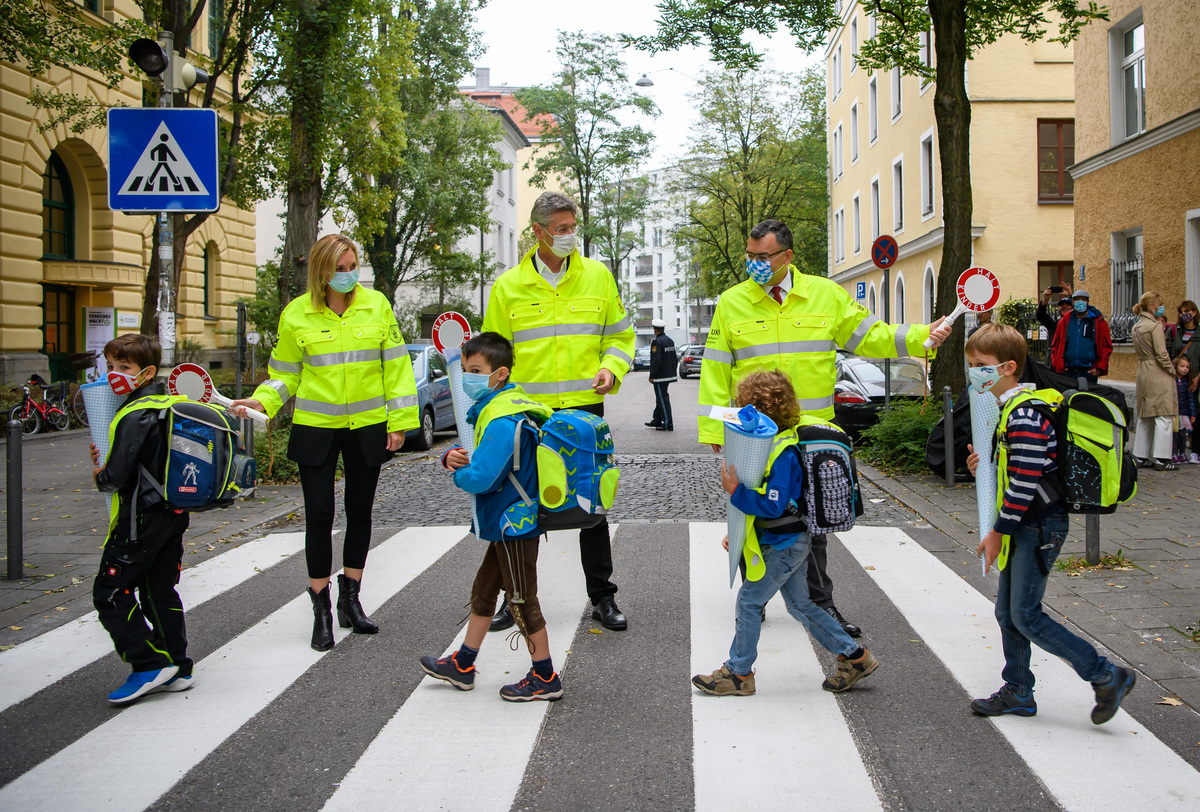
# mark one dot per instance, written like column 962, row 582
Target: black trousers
column 820, row 586
column 134, row 592
column 662, row 405
column 595, row 545
column 316, row 480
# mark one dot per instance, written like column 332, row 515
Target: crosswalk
column 273, row 724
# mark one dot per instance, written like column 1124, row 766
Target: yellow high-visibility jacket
column 562, row 336
column 345, row 371
column 751, row 332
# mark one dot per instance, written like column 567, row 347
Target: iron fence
column 1126, row 291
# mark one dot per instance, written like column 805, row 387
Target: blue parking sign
column 162, row 159
column 860, row 290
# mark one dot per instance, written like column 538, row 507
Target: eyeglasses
column 763, row 257
column 560, row 231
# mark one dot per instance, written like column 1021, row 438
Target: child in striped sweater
column 1030, row 530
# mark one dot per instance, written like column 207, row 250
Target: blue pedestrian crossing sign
column 860, row 290
column 161, row 159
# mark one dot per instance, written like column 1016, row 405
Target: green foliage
column 758, row 151
column 896, row 444
column 580, row 118
column 616, row 223
column 262, row 309
column 1014, row 311
column 189, row 351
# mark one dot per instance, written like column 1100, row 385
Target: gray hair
column 549, row 203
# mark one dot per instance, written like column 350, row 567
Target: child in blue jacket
column 502, row 473
column 784, row 550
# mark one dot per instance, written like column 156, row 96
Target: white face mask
column 983, row 378
column 563, row 244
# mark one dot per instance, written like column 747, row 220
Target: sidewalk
column 1148, row 615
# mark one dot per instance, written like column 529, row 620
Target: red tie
column 777, row 294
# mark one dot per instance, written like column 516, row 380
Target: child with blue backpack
column 502, row 473
column 144, row 548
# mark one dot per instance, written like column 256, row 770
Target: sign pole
column 166, row 237
column 887, row 318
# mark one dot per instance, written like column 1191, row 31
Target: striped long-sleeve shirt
column 1031, row 455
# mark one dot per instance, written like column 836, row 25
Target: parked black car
column 858, row 392
column 689, row 360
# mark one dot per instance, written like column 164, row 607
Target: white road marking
column 473, row 745
column 154, row 743
column 773, row 748
column 39, row 663
column 1118, row 766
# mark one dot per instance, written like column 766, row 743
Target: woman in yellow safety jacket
column 340, row 354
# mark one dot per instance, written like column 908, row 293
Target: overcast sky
column 520, row 37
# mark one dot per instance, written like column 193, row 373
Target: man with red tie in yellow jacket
column 572, row 343
column 780, row 319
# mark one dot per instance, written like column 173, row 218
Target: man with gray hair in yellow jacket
column 793, row 322
column 572, row 345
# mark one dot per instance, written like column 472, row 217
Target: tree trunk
column 952, row 111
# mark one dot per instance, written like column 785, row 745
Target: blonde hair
column 1002, row 342
column 322, row 261
column 1149, row 302
column 772, row 394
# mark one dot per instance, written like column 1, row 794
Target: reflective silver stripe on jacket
column 558, row 387
column 615, row 353
column 901, row 344
column 279, row 386
column 783, row 348
column 557, row 331
column 338, row 409
column 329, row 359
column 815, row 404
column 191, row 448
column 619, row 327
column 392, row 353
column 286, row 366
column 402, row 403
column 720, row 356
column 861, row 333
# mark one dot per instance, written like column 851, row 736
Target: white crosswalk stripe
column 791, row 745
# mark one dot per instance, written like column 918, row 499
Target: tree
column 581, row 124
column 960, row 28
column 758, row 151
column 616, row 224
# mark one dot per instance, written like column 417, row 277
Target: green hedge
column 896, row 444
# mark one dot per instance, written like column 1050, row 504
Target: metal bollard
column 16, row 499
column 948, row 423
column 1091, row 522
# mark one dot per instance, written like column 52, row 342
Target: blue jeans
column 787, row 572
column 1019, row 606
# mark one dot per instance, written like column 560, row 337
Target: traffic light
column 158, row 59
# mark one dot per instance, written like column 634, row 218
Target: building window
column 871, row 299
column 925, row 40
column 216, row 25
column 1056, row 151
column 853, row 44
column 854, row 132
column 1127, row 269
column 1055, row 273
column 835, row 73
column 873, row 111
column 897, row 107
column 927, row 192
column 58, row 211
column 1133, row 79
column 874, row 210
column 857, row 225
column 210, row 262
column 898, row 315
column 874, row 26
column 898, row 194
column 930, row 293
column 839, row 235
column 92, row 6
column 836, row 148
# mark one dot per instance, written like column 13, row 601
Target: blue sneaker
column 1109, row 695
column 140, row 683
column 533, row 688
column 1005, row 702
column 447, row 670
column 179, row 682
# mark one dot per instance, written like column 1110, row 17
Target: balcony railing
column 1126, row 292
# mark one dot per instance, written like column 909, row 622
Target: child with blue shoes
column 785, row 549
column 1034, row 521
column 502, row 473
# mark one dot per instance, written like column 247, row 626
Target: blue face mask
column 983, row 378
column 1161, row 310
column 759, row 270
column 344, row 281
column 1080, row 306
column 475, row 385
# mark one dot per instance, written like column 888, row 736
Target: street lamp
column 646, row 81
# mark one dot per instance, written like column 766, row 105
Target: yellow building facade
column 1137, row 181
column 885, row 175
column 62, row 250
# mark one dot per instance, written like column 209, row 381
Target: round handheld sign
column 884, row 251
column 978, row 290
column 192, row 382
column 450, row 331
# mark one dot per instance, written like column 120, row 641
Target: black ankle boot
column 350, row 611
column 322, row 638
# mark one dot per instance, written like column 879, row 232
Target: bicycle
column 30, row 413
column 82, row 362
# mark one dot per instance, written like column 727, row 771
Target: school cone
column 462, row 405
column 102, row 405
column 747, row 447
column 985, row 415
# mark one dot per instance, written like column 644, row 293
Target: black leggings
column 317, row 483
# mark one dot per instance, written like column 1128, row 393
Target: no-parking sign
column 884, row 251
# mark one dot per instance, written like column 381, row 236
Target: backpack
column 832, row 499
column 577, row 479
column 1096, row 471
column 206, row 464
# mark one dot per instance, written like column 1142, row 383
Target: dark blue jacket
column 785, row 483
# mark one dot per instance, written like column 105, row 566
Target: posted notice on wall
column 99, row 328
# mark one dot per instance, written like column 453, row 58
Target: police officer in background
column 781, row 319
column 572, row 345
column 663, row 365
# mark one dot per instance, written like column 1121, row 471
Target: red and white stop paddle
column 978, row 291
column 193, row 382
column 450, row 331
